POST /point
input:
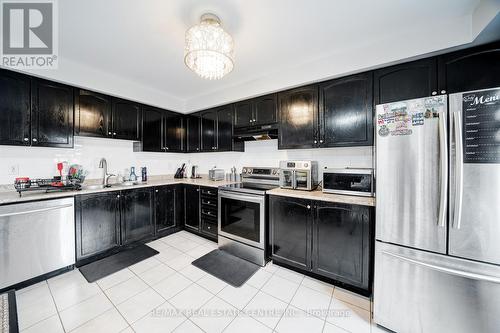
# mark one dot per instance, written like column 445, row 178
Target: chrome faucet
column 103, row 164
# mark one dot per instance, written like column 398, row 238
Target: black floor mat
column 8, row 312
column 112, row 264
column 230, row 269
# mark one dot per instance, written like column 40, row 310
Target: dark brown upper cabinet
column 298, row 118
column 15, row 108
column 163, row 131
column 152, row 129
column 410, row 80
column 51, row 114
column 126, row 119
column 243, row 113
column 209, row 130
column 193, row 139
column 257, row 111
column 173, row 132
column 470, row 69
column 92, row 114
column 225, row 128
column 265, row 109
column 346, row 111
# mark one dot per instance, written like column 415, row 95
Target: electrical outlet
column 13, row 170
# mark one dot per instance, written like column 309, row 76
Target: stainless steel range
column 242, row 214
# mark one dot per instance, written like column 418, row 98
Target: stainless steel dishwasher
column 35, row 238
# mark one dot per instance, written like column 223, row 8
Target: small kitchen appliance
column 299, row 175
column 216, row 174
column 349, row 181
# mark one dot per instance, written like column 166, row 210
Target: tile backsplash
column 40, row 162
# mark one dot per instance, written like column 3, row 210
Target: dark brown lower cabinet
column 137, row 215
column 165, row 204
column 201, row 209
column 97, row 220
column 341, row 242
column 290, row 232
column 325, row 239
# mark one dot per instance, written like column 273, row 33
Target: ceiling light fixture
column 209, row 49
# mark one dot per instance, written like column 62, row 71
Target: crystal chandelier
column 209, row 49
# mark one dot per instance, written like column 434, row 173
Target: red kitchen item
column 60, row 167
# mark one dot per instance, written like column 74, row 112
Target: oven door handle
column 241, row 196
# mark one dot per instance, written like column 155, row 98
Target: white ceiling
column 134, row 48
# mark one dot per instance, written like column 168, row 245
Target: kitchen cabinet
column 201, row 209
column 52, row 114
column 209, row 211
column 192, row 207
column 243, row 113
column 290, row 234
column 15, row 108
column 470, row 69
column 97, row 219
column 126, row 120
column 325, row 239
column 224, row 128
column 137, row 215
column 257, row 111
column 208, row 130
column 92, row 114
column 193, row 139
column 173, row 132
column 341, row 242
column 152, row 129
column 298, row 118
column 346, row 111
column 410, row 80
column 165, row 209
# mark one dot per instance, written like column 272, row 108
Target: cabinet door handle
column 308, row 207
column 443, row 91
column 209, row 227
column 156, row 191
column 35, row 140
column 315, row 141
column 434, row 93
column 320, row 141
column 26, row 139
column 118, row 196
column 114, row 133
column 109, row 133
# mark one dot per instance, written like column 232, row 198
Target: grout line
column 55, row 305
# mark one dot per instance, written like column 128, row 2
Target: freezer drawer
column 35, row 238
column 418, row 291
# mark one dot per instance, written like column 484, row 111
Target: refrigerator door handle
column 443, row 152
column 456, row 272
column 459, row 172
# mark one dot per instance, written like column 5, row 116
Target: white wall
column 41, row 162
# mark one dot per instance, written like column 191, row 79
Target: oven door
column 242, row 217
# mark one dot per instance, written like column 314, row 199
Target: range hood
column 256, row 133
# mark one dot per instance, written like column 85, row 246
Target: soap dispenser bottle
column 133, row 176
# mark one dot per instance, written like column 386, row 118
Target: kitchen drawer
column 209, row 212
column 209, row 227
column 209, row 192
column 209, row 202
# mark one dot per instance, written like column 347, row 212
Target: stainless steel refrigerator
column 437, row 252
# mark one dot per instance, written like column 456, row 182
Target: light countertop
column 9, row 195
column 319, row 195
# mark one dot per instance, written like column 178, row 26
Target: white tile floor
column 166, row 293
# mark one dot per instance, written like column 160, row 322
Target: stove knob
column 244, row 170
column 274, row 172
column 250, row 170
column 305, row 165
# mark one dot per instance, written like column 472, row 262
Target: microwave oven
column 349, row 181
